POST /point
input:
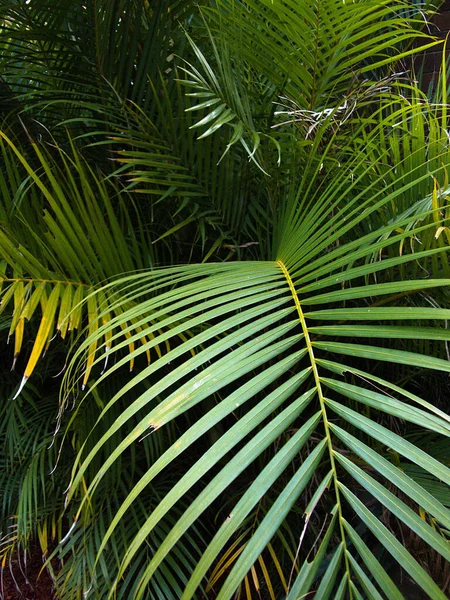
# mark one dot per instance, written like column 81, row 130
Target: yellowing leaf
column 93, row 326
column 33, row 302
column 46, row 325
column 42, row 336
column 66, row 304
column 75, row 315
column 18, row 338
column 7, row 296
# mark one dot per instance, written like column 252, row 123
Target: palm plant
column 268, row 252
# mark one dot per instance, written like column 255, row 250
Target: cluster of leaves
column 224, row 265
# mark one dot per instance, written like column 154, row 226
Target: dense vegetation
column 224, row 253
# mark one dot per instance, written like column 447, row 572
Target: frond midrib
column 320, row 395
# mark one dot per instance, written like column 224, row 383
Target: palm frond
column 260, row 345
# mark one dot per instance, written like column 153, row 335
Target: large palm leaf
column 271, row 352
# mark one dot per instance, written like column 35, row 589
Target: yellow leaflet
column 279, row 568
column 45, row 327
column 144, row 340
column 445, row 176
column 7, row 296
column 255, row 578
column 147, row 352
column 229, row 562
column 64, row 309
column 33, row 302
column 3, row 277
column 3, row 266
column 19, row 302
column 89, row 363
column 127, row 334
column 267, row 578
column 445, row 230
column 92, row 327
column 18, row 338
column 183, row 338
column 75, row 315
column 434, row 525
column 85, row 489
column 106, row 318
column 50, row 335
column 247, row 588
column 224, row 566
column 214, row 577
column 43, row 539
column 43, row 301
column 435, row 201
column 119, row 311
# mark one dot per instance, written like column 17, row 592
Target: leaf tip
column 21, row 386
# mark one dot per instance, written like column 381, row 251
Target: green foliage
column 224, row 264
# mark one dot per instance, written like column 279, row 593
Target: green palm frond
column 256, row 330
column 223, row 97
column 315, row 55
column 98, row 53
column 163, row 160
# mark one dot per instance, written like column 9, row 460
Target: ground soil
column 26, row 583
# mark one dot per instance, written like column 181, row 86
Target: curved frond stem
column 323, row 409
